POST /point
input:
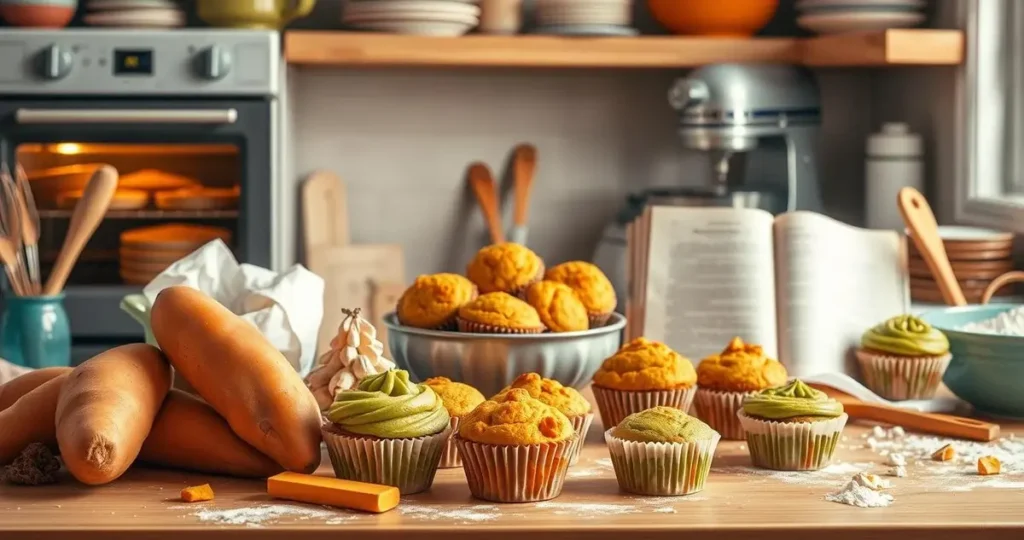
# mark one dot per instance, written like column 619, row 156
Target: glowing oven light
column 69, row 149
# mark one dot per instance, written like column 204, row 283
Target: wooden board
column 384, row 300
column 737, row 504
column 880, row 48
column 324, row 211
column 349, row 272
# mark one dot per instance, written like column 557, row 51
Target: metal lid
column 746, row 94
column 895, row 140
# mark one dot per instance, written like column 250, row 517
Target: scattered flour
column 899, row 471
column 477, row 513
column 587, row 509
column 1008, row 323
column 665, row 510
column 257, row 516
column 823, row 477
column 863, row 491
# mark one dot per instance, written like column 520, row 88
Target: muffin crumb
column 35, row 466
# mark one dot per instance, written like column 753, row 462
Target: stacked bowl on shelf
column 977, row 256
column 585, row 18
column 134, row 13
column 839, row 16
column 418, row 17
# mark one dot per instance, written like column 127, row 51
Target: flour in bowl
column 1007, row 323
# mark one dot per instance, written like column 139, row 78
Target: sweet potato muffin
column 591, row 286
column 641, row 375
column 506, row 268
column 558, row 306
column 433, row 301
column 499, row 313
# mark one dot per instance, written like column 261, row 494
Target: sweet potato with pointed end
column 189, row 434
column 237, row 371
column 30, row 419
column 106, row 410
column 13, row 389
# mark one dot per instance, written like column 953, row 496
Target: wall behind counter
column 402, row 140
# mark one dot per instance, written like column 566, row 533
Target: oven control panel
column 145, row 62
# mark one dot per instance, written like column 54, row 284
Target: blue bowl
column 987, row 370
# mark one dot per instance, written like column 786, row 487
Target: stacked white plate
column 418, row 17
column 839, row 16
column 134, row 13
column 585, row 17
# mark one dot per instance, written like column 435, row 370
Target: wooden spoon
column 482, row 183
column 524, row 165
column 918, row 217
column 29, row 227
column 937, row 424
column 86, row 217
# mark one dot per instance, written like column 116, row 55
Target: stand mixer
column 758, row 125
column 759, row 122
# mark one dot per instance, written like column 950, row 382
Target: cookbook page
column 835, row 281
column 710, row 277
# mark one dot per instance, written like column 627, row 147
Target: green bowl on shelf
column 987, row 370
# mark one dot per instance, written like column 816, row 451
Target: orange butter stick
column 308, row 488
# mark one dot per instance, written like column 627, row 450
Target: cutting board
column 350, row 273
column 324, row 211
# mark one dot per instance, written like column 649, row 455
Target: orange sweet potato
column 189, row 434
column 106, row 410
column 237, row 371
column 30, row 419
column 13, row 389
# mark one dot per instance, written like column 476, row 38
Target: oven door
column 188, row 168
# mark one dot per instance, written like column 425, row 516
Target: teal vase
column 34, row 331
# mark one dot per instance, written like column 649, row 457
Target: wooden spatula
column 524, row 165
column 918, row 217
column 936, row 424
column 86, row 217
column 481, row 181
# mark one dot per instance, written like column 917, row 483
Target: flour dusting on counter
column 1007, row 323
column 476, row 514
column 863, row 491
column 257, row 516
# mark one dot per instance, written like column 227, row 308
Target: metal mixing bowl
column 490, row 362
column 987, row 369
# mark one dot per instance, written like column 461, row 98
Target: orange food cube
column 989, row 465
column 197, row 493
column 946, row 453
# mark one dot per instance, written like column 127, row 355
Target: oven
column 187, row 117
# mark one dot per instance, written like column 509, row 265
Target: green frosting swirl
column 790, row 401
column 662, row 424
column 906, row 335
column 388, row 406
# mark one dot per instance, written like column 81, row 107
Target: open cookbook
column 802, row 285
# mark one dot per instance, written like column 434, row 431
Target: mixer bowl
column 987, row 370
column 490, row 362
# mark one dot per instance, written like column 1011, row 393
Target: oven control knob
column 55, row 62
column 214, row 63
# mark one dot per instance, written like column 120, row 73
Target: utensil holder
column 34, row 331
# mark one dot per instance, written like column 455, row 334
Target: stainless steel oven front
column 188, row 118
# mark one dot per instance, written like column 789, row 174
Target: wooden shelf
column 870, row 49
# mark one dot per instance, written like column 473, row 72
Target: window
column 990, row 135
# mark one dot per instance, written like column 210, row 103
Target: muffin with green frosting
column 792, row 427
column 661, row 451
column 388, row 430
column 903, row 358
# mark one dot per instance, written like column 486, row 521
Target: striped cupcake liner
column 480, row 328
column 516, row 474
column 450, row 455
column 581, row 425
column 899, row 378
column 615, row 405
column 792, row 446
column 408, row 464
column 718, row 410
column 665, row 469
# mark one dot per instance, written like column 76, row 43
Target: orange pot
column 722, row 18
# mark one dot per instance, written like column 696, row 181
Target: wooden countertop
column 738, row 503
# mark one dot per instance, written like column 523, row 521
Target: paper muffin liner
column 718, row 410
column 792, row 446
column 581, row 425
column 481, row 328
column 516, row 474
column 450, row 455
column 902, row 377
column 408, row 464
column 598, row 320
column 665, row 469
column 615, row 405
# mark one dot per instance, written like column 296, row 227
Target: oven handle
column 125, row 116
